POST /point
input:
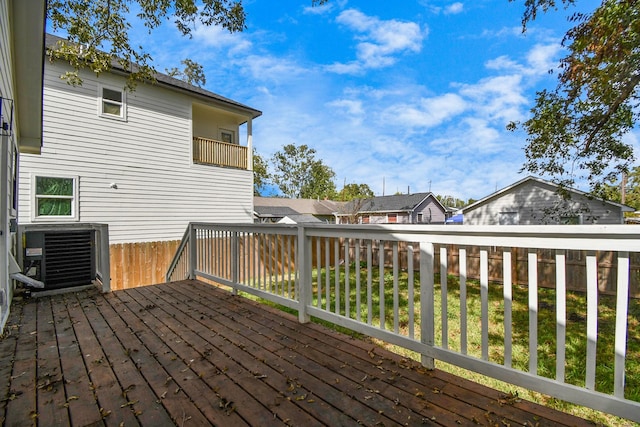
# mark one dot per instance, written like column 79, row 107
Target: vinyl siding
column 537, row 203
column 7, row 143
column 431, row 211
column 148, row 157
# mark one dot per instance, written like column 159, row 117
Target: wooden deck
column 191, row 354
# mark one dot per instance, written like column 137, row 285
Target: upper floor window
column 112, row 103
column 392, row 218
column 54, row 197
column 227, row 136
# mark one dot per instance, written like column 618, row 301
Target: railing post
column 304, row 275
column 192, row 251
column 105, row 263
column 235, row 256
column 426, row 300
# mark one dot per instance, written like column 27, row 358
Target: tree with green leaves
column 260, row 173
column 355, row 191
column 450, row 201
column 576, row 130
column 298, row 173
column 192, row 73
column 631, row 185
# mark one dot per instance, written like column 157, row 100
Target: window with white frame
column 55, row 197
column 112, row 103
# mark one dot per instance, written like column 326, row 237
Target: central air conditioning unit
column 60, row 258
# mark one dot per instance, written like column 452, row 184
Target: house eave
column 27, row 27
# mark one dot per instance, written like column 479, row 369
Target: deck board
column 187, row 353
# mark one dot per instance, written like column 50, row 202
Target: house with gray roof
column 418, row 208
column 274, row 209
column 533, row 201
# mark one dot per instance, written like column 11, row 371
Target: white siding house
column 21, row 59
column 532, row 201
column 130, row 159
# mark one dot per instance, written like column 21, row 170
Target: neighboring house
column 418, row 208
column 274, row 209
column 533, row 201
column 145, row 162
column 21, row 62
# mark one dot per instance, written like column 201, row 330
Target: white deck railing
column 403, row 284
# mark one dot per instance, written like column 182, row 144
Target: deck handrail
column 173, row 273
column 305, row 267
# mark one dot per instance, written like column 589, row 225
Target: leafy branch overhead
column 576, row 130
column 98, row 31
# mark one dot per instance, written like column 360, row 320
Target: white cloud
column 454, row 8
column 428, row 112
column 353, row 108
column 542, row 58
column 217, row 38
column 379, row 41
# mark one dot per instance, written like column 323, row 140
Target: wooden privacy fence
column 140, row 263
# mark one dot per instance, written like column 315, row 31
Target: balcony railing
column 218, row 153
column 425, row 287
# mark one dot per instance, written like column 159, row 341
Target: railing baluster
column 347, row 281
column 622, row 311
column 427, row 328
column 369, row 282
column 357, row 272
column 410, row 291
column 592, row 319
column 336, row 247
column 381, row 283
column 484, row 302
column 507, row 293
column 290, row 264
column 327, row 287
column 319, row 273
column 396, row 289
column 443, row 297
column 533, row 310
column 561, row 313
column 462, row 267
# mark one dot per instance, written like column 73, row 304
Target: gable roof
column 534, row 179
column 394, row 203
column 301, row 206
column 178, row 85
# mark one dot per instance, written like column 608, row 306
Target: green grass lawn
column 575, row 365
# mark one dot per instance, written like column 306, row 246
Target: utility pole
column 623, row 188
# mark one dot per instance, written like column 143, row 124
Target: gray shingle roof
column 395, row 203
column 303, row 206
column 274, row 211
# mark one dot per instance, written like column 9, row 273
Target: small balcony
column 218, row 153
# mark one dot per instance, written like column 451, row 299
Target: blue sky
column 404, row 95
